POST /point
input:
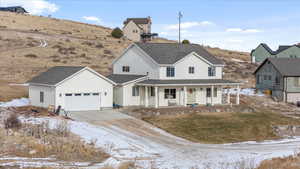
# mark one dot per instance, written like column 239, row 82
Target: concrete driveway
column 136, row 140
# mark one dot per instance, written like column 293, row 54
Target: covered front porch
column 163, row 93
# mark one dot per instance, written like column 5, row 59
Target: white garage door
column 82, row 101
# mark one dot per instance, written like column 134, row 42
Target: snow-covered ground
column 246, row 92
column 168, row 151
column 15, row 103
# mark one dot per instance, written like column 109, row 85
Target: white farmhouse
column 168, row 74
column 72, row 88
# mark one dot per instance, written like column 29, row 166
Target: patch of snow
column 123, row 146
column 19, row 84
column 237, row 60
column 16, row 103
column 246, row 92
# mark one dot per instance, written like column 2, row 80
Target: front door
column 191, row 96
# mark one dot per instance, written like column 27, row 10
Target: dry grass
column 291, row 162
column 9, row 92
column 69, row 43
column 223, row 128
column 39, row 141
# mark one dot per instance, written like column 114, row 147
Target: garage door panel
column 82, row 101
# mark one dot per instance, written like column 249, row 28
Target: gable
column 294, row 50
column 194, row 57
column 85, row 77
column 131, row 25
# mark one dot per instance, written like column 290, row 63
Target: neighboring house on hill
column 168, row 74
column 72, row 88
column 281, row 76
column 263, row 51
column 16, row 9
column 136, row 29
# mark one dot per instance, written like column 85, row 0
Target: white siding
column 118, row 95
column 182, row 69
column 86, row 82
column 139, row 64
column 34, row 95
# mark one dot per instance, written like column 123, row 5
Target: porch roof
column 187, row 82
column 124, row 78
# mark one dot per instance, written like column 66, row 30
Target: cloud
column 187, row 25
column 243, row 30
column 92, row 18
column 32, row 6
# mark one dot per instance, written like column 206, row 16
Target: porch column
column 156, row 97
column 228, row 96
column 184, row 96
column 146, row 97
column 238, row 95
column 212, row 95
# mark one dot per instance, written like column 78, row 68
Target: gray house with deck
column 281, row 76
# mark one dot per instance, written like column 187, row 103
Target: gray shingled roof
column 55, row 75
column 286, row 66
column 170, row 53
column 137, row 20
column 187, row 81
column 122, row 78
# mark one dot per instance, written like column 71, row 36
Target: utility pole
column 179, row 25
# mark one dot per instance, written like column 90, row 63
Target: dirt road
column 133, row 139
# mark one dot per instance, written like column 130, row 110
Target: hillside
column 31, row 44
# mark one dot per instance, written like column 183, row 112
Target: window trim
column 191, row 70
column 297, row 81
column 42, row 97
column 208, row 92
column 170, row 71
column 211, row 71
column 170, row 92
column 125, row 68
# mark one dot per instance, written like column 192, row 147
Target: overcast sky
column 230, row 24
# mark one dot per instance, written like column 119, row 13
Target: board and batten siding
column 34, row 95
column 137, row 61
column 293, row 51
column 182, row 69
column 86, row 82
column 265, row 84
column 260, row 54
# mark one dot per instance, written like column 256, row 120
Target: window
column 86, row 94
column 96, row 94
column 208, row 92
column 277, row 80
column 170, row 71
column 293, row 56
column 297, row 81
column 42, row 97
column 270, row 77
column 265, row 77
column 257, row 79
column 191, row 70
column 126, row 69
column 170, row 93
column 211, row 71
column 215, row 92
column 77, row 94
column 152, row 91
column 135, row 91
column 68, row 94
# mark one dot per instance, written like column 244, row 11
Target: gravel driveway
column 134, row 139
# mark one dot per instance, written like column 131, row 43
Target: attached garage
column 71, row 88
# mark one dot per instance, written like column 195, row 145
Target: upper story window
column 41, row 97
column 170, row 71
column 297, row 82
column 126, row 69
column 293, row 56
column 211, row 71
column 191, row 70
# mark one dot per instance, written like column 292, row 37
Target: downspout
column 285, row 87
